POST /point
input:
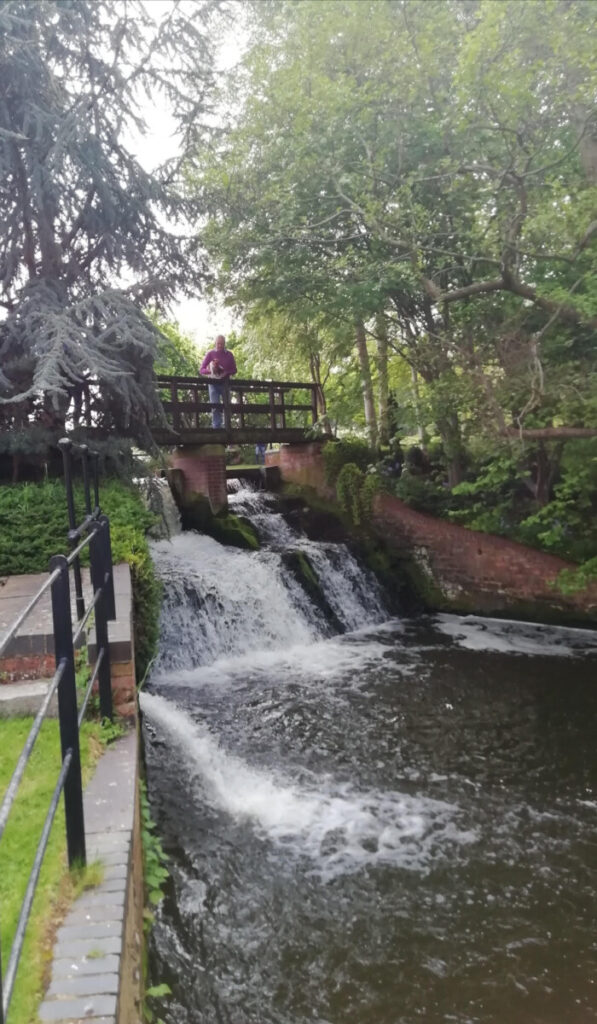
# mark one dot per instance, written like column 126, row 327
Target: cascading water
column 368, row 819
column 159, row 499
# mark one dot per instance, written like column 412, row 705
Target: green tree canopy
column 427, row 165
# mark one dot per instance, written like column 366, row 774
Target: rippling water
column 392, row 825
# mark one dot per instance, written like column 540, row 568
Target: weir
column 356, row 805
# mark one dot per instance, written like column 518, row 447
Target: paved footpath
column 87, row 955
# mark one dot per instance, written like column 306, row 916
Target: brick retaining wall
column 204, row 471
column 454, row 568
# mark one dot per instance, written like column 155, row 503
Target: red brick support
column 204, row 470
column 456, row 568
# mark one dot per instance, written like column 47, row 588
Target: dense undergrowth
column 33, row 527
column 495, row 496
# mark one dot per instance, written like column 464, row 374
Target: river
column 369, row 819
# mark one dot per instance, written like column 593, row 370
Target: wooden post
column 175, row 409
column 314, row 402
column 272, row 407
column 226, row 397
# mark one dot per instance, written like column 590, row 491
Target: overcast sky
column 200, row 320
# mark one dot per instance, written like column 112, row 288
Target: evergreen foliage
column 84, row 244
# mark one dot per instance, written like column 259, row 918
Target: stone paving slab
column 87, row 1007
column 85, row 985
column 89, row 944
column 36, row 634
column 88, row 929
column 71, row 968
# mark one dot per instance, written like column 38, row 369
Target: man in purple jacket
column 218, row 365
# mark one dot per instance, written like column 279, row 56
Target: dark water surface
column 393, row 825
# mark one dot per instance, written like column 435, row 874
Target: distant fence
column 92, row 532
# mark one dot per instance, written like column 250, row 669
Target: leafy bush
column 355, row 491
column 337, row 454
column 567, row 525
column 423, row 493
column 348, row 489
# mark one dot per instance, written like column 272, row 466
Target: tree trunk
column 449, row 429
column 315, row 367
column 382, row 376
column 544, row 471
column 366, row 384
column 422, row 433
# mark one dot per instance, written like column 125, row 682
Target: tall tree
column 427, row 158
column 86, row 234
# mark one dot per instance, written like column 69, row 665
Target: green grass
column 56, row 887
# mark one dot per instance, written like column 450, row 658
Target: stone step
column 25, row 698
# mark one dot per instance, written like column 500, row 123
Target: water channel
column 368, row 819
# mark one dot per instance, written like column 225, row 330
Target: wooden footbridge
column 253, row 411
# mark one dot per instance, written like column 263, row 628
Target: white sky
column 200, row 320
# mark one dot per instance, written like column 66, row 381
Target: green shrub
column 337, row 454
column 423, row 494
column 348, row 489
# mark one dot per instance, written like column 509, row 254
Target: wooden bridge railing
column 274, row 409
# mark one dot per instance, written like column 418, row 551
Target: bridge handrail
column 96, row 528
column 185, row 404
column 164, row 380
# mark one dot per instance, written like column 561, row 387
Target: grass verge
column 57, row 886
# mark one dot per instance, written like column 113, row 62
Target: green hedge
column 33, row 527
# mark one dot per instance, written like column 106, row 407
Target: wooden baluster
column 272, row 407
column 196, row 401
column 314, row 403
column 241, row 409
column 226, row 397
column 283, row 408
column 175, row 409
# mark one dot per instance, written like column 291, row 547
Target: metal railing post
column 95, row 457
column 67, row 711
column 65, row 445
column 102, row 578
column 85, row 457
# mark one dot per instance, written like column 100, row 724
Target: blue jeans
column 216, row 394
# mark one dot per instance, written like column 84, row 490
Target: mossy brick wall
column 204, row 471
column 453, row 568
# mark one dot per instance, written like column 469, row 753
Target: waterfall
column 159, row 499
column 353, row 804
column 221, row 602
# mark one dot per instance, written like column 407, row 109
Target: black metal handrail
column 93, row 532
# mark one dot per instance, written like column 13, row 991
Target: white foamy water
column 222, row 601
column 510, row 637
column 338, row 827
column 351, row 591
column 316, row 665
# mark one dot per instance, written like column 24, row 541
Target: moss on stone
column 299, row 564
column 195, row 512
column 232, row 530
